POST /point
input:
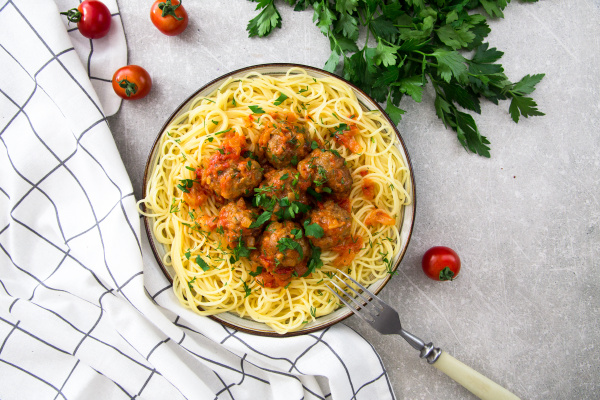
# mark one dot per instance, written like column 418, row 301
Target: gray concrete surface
column 526, row 223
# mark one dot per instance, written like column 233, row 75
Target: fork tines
column 364, row 304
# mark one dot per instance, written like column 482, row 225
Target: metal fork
column 386, row 320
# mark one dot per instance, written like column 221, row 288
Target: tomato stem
column 73, row 15
column 446, row 274
column 169, row 9
column 130, row 87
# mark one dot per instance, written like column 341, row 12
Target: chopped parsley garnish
column 314, row 261
column 202, row 264
column 185, row 185
column 241, row 250
column 221, row 132
column 313, row 311
column 327, row 190
column 190, row 283
column 388, row 263
column 264, row 217
column 256, row 109
column 187, row 254
column 247, row 289
column 315, row 194
column 190, row 168
column 290, row 210
column 249, row 154
column 286, row 243
column 284, row 176
column 282, row 97
column 303, row 90
column 294, row 160
column 314, row 145
column 174, row 207
column 323, row 176
column 297, row 233
column 313, row 230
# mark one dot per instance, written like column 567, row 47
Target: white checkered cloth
column 84, row 310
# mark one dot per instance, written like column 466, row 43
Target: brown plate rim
column 286, row 66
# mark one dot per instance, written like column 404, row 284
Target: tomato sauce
column 368, row 189
column 347, row 251
column 378, row 216
column 346, row 138
column 198, row 194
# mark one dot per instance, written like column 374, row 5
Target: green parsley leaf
column 286, row 243
column 256, row 109
column 524, row 106
column 247, row 289
column 221, row 132
column 268, row 19
column 262, row 218
column 202, row 264
column 314, row 261
column 313, row 230
column 282, row 97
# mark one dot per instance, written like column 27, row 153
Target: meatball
column 336, row 223
column 287, row 145
column 231, row 176
column 235, row 220
column 280, row 251
column 326, row 169
column 280, row 184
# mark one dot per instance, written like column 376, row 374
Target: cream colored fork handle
column 473, row 381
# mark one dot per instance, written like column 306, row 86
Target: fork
column 386, row 320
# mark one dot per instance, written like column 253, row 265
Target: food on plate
column 131, row 82
column 169, row 17
column 441, row 263
column 92, row 17
column 258, row 201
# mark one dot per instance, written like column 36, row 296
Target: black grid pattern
column 100, row 58
column 81, row 316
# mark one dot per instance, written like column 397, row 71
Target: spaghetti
column 210, row 277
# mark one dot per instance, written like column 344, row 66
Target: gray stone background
column 525, row 222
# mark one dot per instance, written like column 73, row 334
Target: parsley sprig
column 410, row 43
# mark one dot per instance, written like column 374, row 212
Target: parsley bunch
column 410, row 43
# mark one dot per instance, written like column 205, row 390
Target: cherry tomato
column 441, row 263
column 131, row 82
column 169, row 16
column 92, row 18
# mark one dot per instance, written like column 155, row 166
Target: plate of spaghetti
column 267, row 181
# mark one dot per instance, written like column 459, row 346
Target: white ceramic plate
column 406, row 223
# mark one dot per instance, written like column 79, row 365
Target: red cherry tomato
column 441, row 263
column 131, row 82
column 169, row 16
column 92, row 18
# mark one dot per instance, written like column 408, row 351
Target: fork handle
column 473, row 381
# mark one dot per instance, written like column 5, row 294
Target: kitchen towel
column 84, row 310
